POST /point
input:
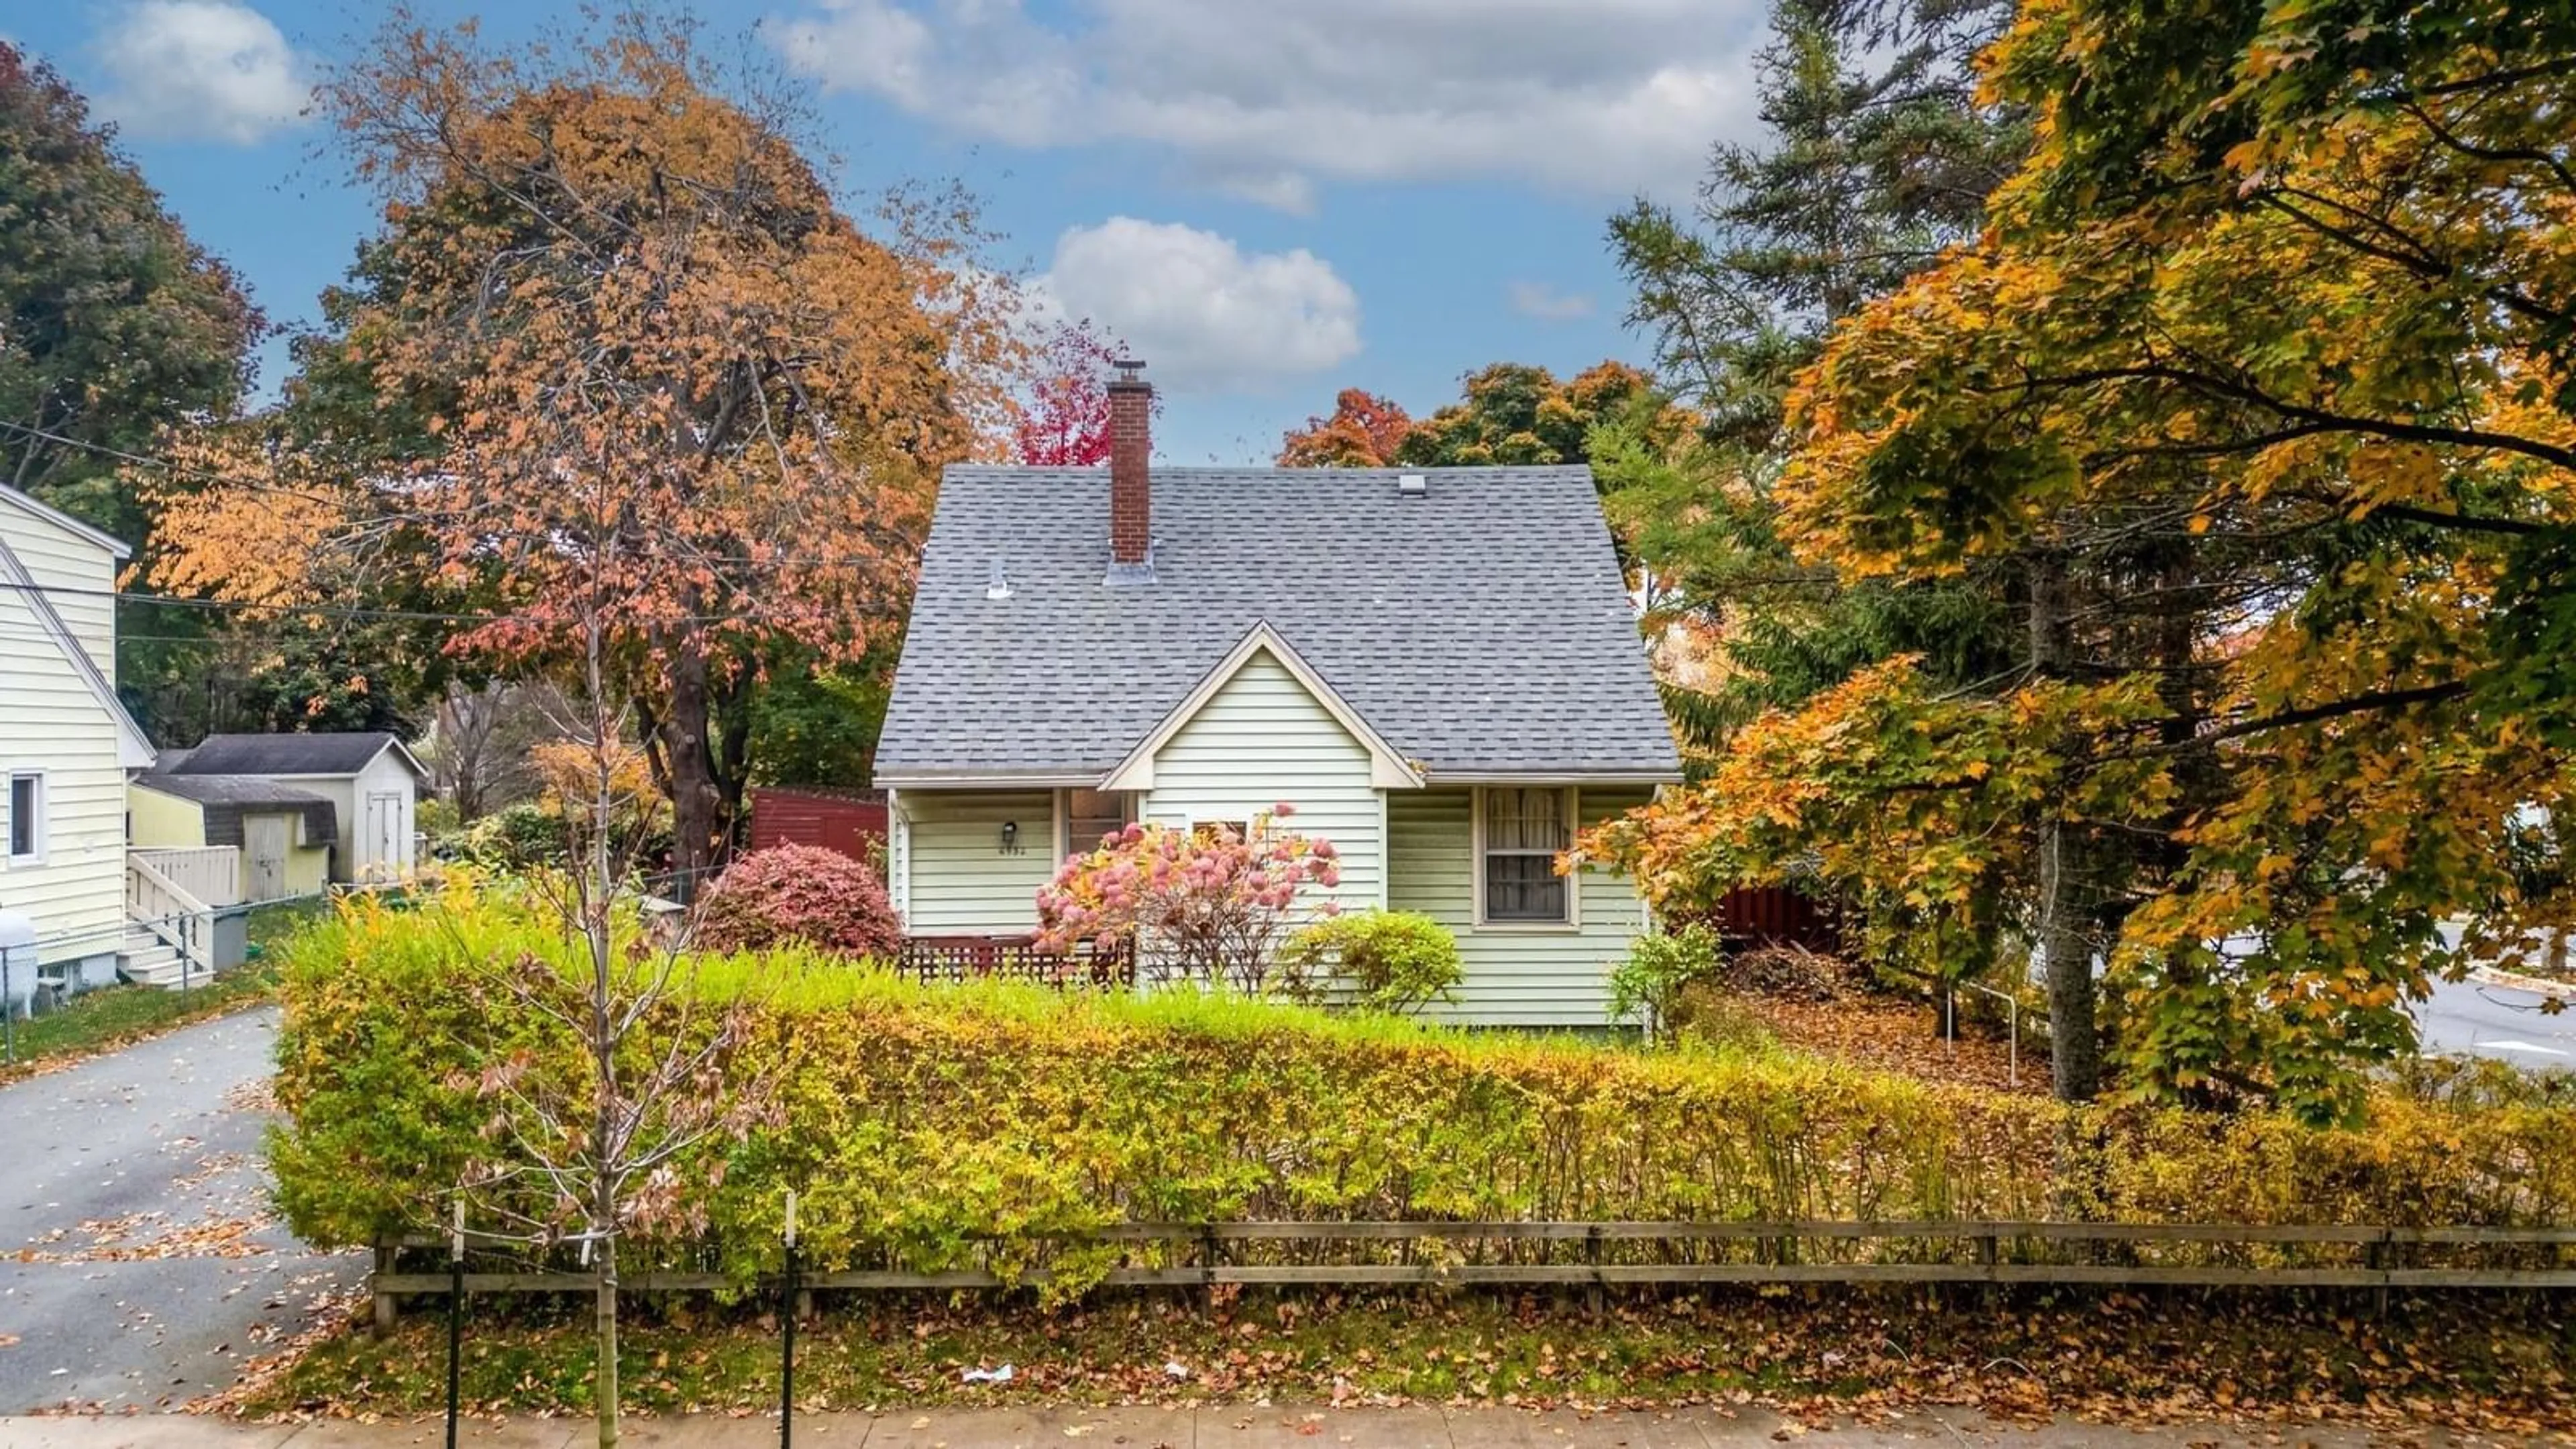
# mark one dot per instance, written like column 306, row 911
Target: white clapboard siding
column 53, row 722
column 961, row 881
column 1260, row 740
column 1514, row 976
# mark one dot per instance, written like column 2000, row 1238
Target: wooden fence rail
column 1998, row 1258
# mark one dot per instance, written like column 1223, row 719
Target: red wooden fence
column 1776, row 916
column 850, row 821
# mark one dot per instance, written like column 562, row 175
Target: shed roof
column 227, row 798
column 339, row 753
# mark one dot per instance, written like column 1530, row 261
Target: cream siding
column 1262, row 739
column 958, row 879
column 1517, row 975
column 164, row 821
column 53, row 723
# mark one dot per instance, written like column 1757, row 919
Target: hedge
column 917, row 1121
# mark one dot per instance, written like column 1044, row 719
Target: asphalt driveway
column 140, row 1262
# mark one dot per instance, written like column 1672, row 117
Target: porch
column 181, row 927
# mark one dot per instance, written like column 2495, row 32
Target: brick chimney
column 1131, row 484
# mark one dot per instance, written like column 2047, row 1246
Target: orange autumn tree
column 2255, row 400
column 614, row 342
column 1363, row 431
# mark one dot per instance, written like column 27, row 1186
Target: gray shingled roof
column 1482, row 628
column 343, row 753
column 227, row 798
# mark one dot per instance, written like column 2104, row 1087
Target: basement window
column 1520, row 832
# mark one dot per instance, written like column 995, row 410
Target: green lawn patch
column 116, row 1016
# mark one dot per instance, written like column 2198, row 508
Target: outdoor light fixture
column 1010, row 837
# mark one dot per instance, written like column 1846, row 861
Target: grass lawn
column 102, row 1020
column 2498, row 1362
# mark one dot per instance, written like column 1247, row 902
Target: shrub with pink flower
column 1209, row 903
column 799, row 893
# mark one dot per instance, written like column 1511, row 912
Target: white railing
column 172, row 914
column 211, row 873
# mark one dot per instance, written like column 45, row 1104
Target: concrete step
column 158, row 966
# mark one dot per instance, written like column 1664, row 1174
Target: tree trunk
column 696, row 799
column 603, row 1383
column 2065, row 945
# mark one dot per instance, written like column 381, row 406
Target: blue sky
column 1268, row 199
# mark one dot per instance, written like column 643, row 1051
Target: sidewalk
column 1214, row 1427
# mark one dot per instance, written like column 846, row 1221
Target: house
column 369, row 780
column 65, row 745
column 282, row 836
column 1440, row 669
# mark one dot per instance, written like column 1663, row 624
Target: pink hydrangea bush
column 799, row 893
column 1209, row 904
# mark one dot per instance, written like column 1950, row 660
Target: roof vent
column 1412, row 485
column 999, row 585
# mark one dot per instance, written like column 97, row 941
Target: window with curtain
column 1092, row 814
column 1525, row 830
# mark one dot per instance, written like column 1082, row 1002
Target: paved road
column 2497, row 1021
column 140, row 1264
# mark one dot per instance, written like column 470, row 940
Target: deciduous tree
column 2259, row 377
column 643, row 347
column 1064, row 422
column 1363, row 431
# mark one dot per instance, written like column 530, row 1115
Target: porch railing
column 173, row 914
column 210, row 873
column 1016, row 958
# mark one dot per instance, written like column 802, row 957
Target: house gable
column 79, row 563
column 1388, row 770
column 1262, row 739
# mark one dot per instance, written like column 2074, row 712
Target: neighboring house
column 65, row 743
column 1439, row 668
column 369, row 779
column 283, row 835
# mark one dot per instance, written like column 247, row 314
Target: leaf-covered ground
column 2494, row 1362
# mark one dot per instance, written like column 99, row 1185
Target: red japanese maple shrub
column 799, row 893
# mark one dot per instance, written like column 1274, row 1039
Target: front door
column 264, row 841
column 384, row 837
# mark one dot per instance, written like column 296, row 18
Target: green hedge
column 917, row 1120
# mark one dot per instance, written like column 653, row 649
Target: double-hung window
column 1523, row 831
column 26, row 818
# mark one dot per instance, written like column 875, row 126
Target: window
column 1523, row 832
column 26, row 817
column 1091, row 814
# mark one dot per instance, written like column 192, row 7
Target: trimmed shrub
column 791, row 893
column 1647, row 987
column 938, row 1128
column 1391, row 961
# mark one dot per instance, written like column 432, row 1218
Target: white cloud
column 1539, row 300
column 200, row 68
column 1207, row 316
column 1259, row 96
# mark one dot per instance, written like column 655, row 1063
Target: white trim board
column 1388, row 770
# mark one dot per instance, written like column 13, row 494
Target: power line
column 349, row 611
column 251, row 485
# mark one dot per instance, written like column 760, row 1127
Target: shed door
column 384, row 836
column 264, row 842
